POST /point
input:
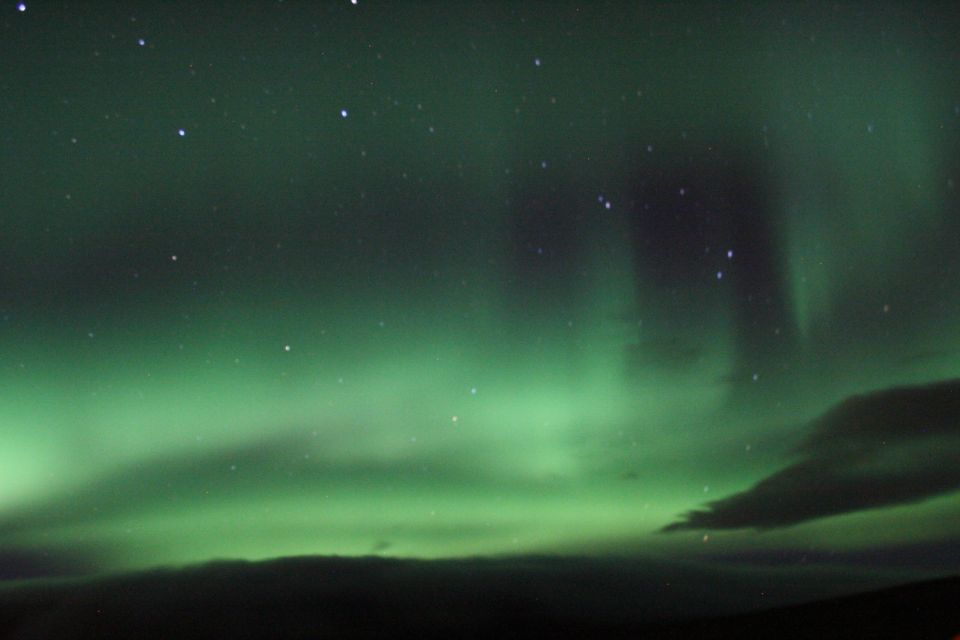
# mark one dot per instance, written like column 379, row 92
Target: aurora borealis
column 438, row 280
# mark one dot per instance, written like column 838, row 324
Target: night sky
column 446, row 279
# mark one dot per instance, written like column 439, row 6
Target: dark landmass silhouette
column 526, row 597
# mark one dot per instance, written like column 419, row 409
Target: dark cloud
column 890, row 447
column 20, row 564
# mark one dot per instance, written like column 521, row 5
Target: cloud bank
column 886, row 448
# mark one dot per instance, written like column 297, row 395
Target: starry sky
column 438, row 280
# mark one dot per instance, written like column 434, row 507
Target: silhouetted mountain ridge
column 530, row 596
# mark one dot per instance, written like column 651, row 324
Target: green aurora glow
column 367, row 344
